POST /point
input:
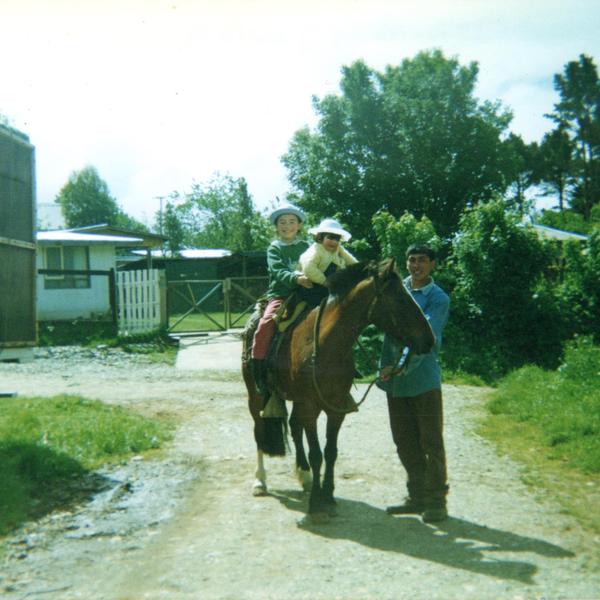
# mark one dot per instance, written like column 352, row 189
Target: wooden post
column 112, row 296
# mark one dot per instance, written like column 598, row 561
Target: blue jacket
column 423, row 372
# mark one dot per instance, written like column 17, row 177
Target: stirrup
column 275, row 407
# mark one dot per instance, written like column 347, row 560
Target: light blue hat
column 285, row 208
column 331, row 226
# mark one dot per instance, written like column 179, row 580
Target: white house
column 65, row 296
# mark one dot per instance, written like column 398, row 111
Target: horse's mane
column 343, row 280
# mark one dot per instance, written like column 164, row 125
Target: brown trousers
column 417, row 430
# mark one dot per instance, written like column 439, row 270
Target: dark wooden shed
column 18, row 330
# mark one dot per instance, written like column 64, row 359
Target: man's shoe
column 408, row 507
column 435, row 515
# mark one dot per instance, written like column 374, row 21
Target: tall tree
column 521, row 170
column 578, row 113
column 173, row 229
column 85, row 199
column 413, row 137
column 221, row 214
column 555, row 164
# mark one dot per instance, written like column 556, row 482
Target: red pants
column 265, row 330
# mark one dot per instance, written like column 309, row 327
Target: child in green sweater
column 283, row 254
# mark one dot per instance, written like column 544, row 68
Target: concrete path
column 213, row 351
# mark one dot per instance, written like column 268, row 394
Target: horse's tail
column 273, row 440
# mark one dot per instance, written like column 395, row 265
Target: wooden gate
column 212, row 304
column 138, row 301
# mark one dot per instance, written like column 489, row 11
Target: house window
column 67, row 258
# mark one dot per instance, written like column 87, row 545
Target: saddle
column 291, row 313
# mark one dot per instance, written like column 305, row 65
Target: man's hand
column 386, row 373
column 304, row 281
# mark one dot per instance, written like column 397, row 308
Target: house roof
column 191, row 253
column 72, row 237
column 550, row 233
column 149, row 240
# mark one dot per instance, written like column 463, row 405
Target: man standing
column 415, row 398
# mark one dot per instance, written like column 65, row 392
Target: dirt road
column 187, row 527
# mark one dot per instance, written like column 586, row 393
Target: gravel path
column 187, row 527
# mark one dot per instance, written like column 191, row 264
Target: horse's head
column 376, row 291
column 394, row 311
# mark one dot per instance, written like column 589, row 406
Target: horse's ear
column 388, row 268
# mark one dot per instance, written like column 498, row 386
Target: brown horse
column 314, row 367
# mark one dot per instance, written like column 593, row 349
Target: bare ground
column 187, row 527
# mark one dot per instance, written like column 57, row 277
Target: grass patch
column 200, row 322
column 48, row 445
column 462, row 378
column 550, row 421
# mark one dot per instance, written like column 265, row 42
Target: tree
column 396, row 235
column 173, row 229
column 410, row 138
column 555, row 164
column 504, row 314
column 580, row 289
column 578, row 113
column 521, row 171
column 221, row 214
column 85, row 200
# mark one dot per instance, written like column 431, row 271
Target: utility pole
column 160, row 220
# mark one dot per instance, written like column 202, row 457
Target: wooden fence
column 138, row 301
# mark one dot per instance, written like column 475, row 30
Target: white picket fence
column 138, row 301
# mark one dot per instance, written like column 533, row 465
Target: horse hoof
column 259, row 489
column 305, row 479
column 315, row 518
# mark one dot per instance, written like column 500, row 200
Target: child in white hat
column 324, row 257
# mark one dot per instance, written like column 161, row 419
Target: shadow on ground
column 37, row 480
column 456, row 543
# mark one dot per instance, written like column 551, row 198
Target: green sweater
column 282, row 263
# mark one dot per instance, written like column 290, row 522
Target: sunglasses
column 333, row 236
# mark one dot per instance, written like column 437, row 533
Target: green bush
column 77, row 332
column 368, row 350
column 502, row 314
column 580, row 289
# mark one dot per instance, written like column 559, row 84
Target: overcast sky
column 159, row 94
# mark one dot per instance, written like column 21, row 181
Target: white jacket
column 315, row 260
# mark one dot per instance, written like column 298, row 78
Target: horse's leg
column 259, row 488
column 302, row 467
column 315, row 458
column 334, row 423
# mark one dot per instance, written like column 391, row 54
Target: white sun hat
column 331, row 226
column 285, row 208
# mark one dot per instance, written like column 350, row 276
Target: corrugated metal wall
column 17, row 240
